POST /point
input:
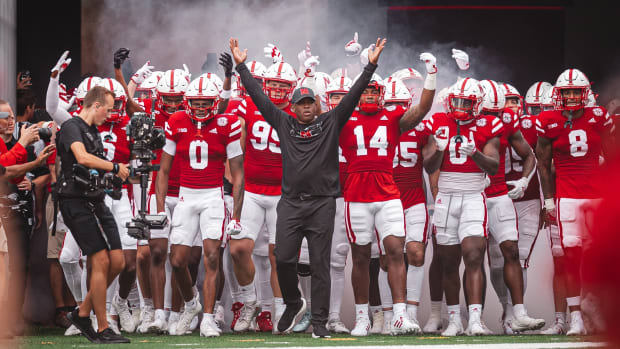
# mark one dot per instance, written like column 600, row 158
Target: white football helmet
column 397, row 92
column 376, row 104
column 84, row 87
column 464, row 99
column 511, row 93
column 493, row 97
column 412, row 79
column 120, row 99
column 237, row 90
column 591, row 99
column 170, row 90
column 338, row 73
column 547, row 102
column 442, row 98
column 215, row 79
column 571, row 79
column 534, row 97
column 321, row 81
column 282, row 73
column 201, row 99
column 340, row 86
column 148, row 87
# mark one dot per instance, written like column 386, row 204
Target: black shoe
column 320, row 331
column 84, row 325
column 108, row 336
column 287, row 320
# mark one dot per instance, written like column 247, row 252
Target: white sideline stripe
column 463, row 346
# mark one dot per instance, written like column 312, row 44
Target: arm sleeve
column 270, row 112
column 52, row 107
column 171, row 142
column 347, row 105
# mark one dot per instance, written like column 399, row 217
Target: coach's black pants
column 313, row 219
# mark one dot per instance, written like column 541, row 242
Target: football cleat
column 455, row 327
column 526, row 323
column 556, row 329
column 236, row 309
column 387, row 322
column 577, row 327
column 433, row 325
column 263, row 321
column 475, row 329
column 377, row 322
column 124, row 315
column 219, row 317
column 336, row 326
column 187, row 316
column 72, row 331
column 208, row 328
column 172, row 323
column 113, row 325
column 362, row 327
column 148, row 315
column 248, row 313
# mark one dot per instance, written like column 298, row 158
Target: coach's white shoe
column 362, row 326
column 208, row 327
column 526, row 323
column 336, row 326
column 475, row 329
column 377, row 322
column 387, row 322
column 187, row 316
column 402, row 325
column 576, row 325
column 433, row 325
column 557, row 328
column 72, row 331
column 124, row 315
column 248, row 313
column 455, row 326
column 148, row 316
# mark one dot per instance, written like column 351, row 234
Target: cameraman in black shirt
column 85, row 213
column 310, row 185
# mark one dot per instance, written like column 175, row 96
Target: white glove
column 233, row 228
column 487, row 181
column 461, row 58
column 63, row 63
column 304, row 54
column 353, row 48
column 273, row 52
column 430, row 61
column 467, row 148
column 364, row 54
column 520, row 186
column 186, row 70
column 142, row 73
column 442, row 140
column 310, row 64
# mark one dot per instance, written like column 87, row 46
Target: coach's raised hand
column 238, row 55
column 374, row 53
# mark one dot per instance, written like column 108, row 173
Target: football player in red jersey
column 460, row 216
column 263, row 180
column 573, row 136
column 202, row 142
column 408, row 176
column 506, row 271
column 374, row 212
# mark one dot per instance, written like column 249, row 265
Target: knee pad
column 303, row 270
column 339, row 255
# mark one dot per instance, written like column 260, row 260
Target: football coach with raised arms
column 309, row 145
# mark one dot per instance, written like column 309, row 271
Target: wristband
column 549, row 204
column 225, row 94
column 430, row 82
column 115, row 168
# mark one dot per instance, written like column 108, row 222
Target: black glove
column 226, row 63
column 120, row 56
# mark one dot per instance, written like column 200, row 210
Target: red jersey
column 460, row 173
column 498, row 186
column 408, row 165
column 203, row 151
column 161, row 119
column 368, row 144
column 114, row 138
column 263, row 159
column 233, row 105
column 514, row 163
column 576, row 150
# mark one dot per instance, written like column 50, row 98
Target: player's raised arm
column 415, row 114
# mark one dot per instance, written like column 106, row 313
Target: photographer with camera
column 81, row 200
column 16, row 214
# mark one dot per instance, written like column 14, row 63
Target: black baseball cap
column 301, row 93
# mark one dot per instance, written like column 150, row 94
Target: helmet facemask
column 278, row 91
column 202, row 108
column 118, row 110
column 371, row 100
column 570, row 98
column 462, row 108
column 170, row 103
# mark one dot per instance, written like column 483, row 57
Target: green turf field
column 52, row 338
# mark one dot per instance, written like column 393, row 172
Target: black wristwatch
column 115, row 168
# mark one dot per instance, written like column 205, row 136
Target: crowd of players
column 477, row 169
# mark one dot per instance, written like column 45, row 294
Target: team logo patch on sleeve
column 507, row 118
column 222, row 121
column 597, row 111
column 481, row 122
column 526, row 123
